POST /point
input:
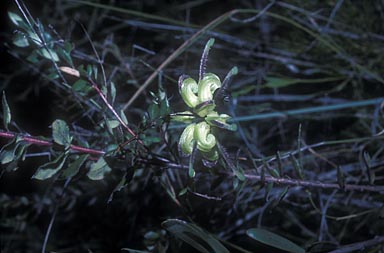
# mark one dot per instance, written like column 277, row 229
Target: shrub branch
column 312, row 184
column 37, row 141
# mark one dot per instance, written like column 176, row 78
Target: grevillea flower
column 202, row 116
column 198, row 96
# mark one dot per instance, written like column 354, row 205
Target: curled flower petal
column 186, row 141
column 207, row 86
column 189, row 89
column 211, row 156
column 205, row 140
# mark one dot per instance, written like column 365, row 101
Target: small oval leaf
column 20, row 40
column 8, row 155
column 274, row 240
column 7, row 152
column 47, row 170
column 16, row 19
column 98, row 169
column 49, row 54
column 60, row 132
column 74, row 167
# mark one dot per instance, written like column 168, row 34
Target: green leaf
column 36, row 39
column 183, row 191
column 16, row 19
column 280, row 82
column 153, row 111
column 68, row 47
column 20, row 40
column 123, row 117
column 74, row 167
column 239, row 172
column 6, row 112
column 164, row 106
column 191, row 171
column 7, row 153
column 272, row 171
column 89, row 70
column 149, row 140
column 33, row 57
column 276, row 82
column 20, row 150
column 49, row 54
column 66, row 55
column 95, row 71
column 98, row 170
column 60, row 133
column 113, row 92
column 113, row 123
column 235, row 183
column 12, row 152
column 53, row 75
column 47, row 170
column 123, row 183
column 194, row 236
column 81, row 86
column 296, row 166
column 274, row 240
column 276, row 201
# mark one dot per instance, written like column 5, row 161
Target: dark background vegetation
column 262, row 48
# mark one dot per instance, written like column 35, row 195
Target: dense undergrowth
column 91, row 158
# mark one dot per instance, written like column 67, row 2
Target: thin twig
column 96, row 54
column 110, row 107
column 205, row 196
column 49, row 229
column 312, row 184
column 286, row 181
column 359, row 245
column 37, row 141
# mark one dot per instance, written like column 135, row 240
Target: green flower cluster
column 202, row 117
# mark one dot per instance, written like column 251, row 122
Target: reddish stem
column 110, row 107
column 36, row 141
